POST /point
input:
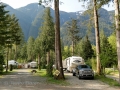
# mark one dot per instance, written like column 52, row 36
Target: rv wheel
column 74, row 74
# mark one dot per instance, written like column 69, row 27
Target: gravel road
column 24, row 80
column 86, row 84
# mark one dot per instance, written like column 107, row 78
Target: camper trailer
column 72, row 62
column 33, row 64
column 12, row 62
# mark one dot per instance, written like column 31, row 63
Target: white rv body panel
column 33, row 64
column 71, row 62
column 12, row 62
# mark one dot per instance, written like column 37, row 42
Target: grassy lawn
column 109, row 81
column 42, row 73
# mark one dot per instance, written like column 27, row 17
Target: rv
column 12, row 62
column 33, row 64
column 72, row 62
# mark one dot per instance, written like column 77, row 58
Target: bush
column 92, row 62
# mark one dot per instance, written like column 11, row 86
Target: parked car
column 83, row 71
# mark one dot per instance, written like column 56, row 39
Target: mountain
column 30, row 19
column 87, row 27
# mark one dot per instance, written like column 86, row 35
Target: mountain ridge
column 30, row 19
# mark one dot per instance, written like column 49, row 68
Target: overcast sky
column 68, row 5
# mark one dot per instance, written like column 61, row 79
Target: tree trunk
column 97, row 37
column 56, row 62
column 72, row 48
column 117, row 23
column 15, row 56
column 39, row 62
column 58, row 46
column 7, row 59
column 48, row 57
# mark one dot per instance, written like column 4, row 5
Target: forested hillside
column 30, row 19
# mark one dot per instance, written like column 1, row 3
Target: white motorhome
column 33, row 64
column 12, row 62
column 72, row 62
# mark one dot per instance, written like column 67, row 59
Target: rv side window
column 77, row 61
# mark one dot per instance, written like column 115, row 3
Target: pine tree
column 3, row 24
column 73, row 31
column 30, row 49
column 15, row 33
column 38, row 50
column 48, row 32
column 85, row 49
column 23, row 52
column 48, row 37
column 107, row 54
column 58, row 55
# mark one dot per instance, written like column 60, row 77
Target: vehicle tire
column 92, row 78
column 74, row 74
column 79, row 77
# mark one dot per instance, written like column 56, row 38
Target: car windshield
column 83, row 66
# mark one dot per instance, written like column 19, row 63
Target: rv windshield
column 77, row 61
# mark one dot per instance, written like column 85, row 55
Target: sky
column 67, row 5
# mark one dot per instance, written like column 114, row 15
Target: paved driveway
column 22, row 79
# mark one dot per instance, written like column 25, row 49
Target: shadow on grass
column 6, row 73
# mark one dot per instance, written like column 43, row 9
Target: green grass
column 109, row 81
column 110, row 71
column 59, row 82
column 42, row 73
column 104, row 79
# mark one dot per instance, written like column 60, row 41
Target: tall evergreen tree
column 95, row 4
column 7, row 25
column 73, row 31
column 48, row 36
column 57, row 40
column 30, row 49
column 84, row 49
column 16, row 33
column 107, row 55
column 58, row 55
column 23, row 52
column 48, row 32
column 3, row 24
column 38, row 50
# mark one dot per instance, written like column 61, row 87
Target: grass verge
column 51, row 80
column 109, row 81
column 104, row 79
